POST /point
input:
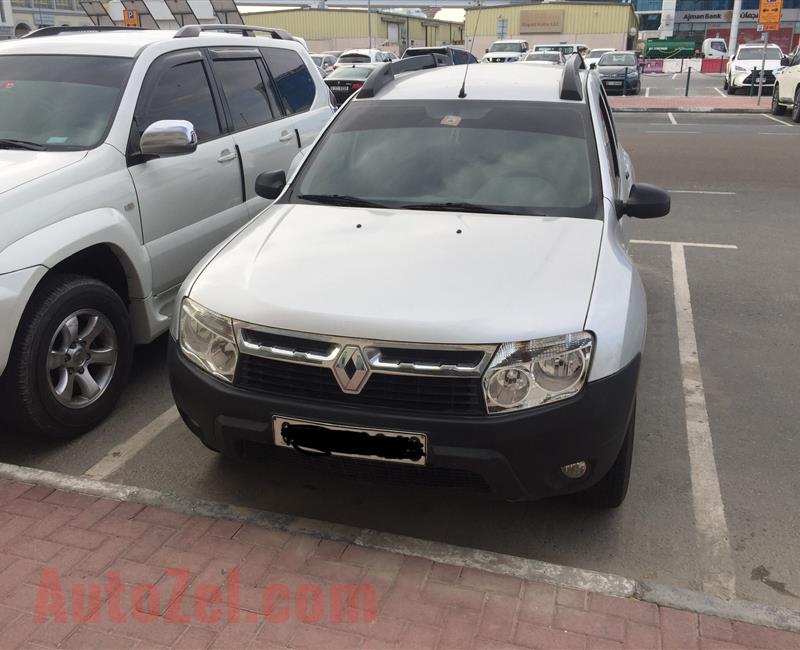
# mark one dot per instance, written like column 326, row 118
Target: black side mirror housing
column 647, row 202
column 486, row 50
column 269, row 185
column 786, row 60
column 592, row 66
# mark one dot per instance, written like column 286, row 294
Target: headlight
column 207, row 339
column 739, row 68
column 531, row 373
column 632, row 72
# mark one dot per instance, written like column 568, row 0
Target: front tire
column 70, row 359
column 731, row 90
column 610, row 492
column 776, row 107
column 796, row 106
column 725, row 84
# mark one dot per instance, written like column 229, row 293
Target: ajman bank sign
column 541, row 22
column 745, row 16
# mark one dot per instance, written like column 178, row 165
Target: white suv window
column 295, row 84
column 245, row 92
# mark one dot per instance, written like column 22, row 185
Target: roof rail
column 571, row 87
column 190, row 31
column 385, row 74
column 55, row 30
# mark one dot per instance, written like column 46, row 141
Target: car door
column 188, row 203
column 789, row 79
column 265, row 140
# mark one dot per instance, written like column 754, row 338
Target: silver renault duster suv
column 470, row 319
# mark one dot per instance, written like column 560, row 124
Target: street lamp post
column 737, row 10
column 369, row 21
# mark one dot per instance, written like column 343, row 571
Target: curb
column 659, row 109
column 501, row 563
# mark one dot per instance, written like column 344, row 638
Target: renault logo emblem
column 351, row 370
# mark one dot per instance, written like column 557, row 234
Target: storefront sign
column 745, row 16
column 541, row 22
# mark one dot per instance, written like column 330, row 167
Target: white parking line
column 675, row 75
column 123, row 452
column 715, row 559
column 775, row 119
column 672, row 118
column 683, row 243
column 700, row 192
column 674, row 132
column 647, row 92
column 720, row 92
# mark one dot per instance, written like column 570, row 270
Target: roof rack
column 55, row 30
column 385, row 74
column 190, row 31
column 571, row 87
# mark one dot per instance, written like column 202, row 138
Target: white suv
column 477, row 324
column 786, row 93
column 744, row 69
column 506, row 51
column 126, row 157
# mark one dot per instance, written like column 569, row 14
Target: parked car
column 505, row 51
column 324, row 61
column 786, row 93
column 555, row 57
column 565, row 48
column 619, row 72
column 744, row 69
column 714, row 48
column 458, row 55
column 347, row 79
column 361, row 56
column 474, row 325
column 593, row 56
column 126, row 157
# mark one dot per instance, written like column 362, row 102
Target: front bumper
column 515, row 456
column 617, row 84
column 746, row 79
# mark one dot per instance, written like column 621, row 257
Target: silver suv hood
column 406, row 275
column 18, row 166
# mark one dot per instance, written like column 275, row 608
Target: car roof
column 360, row 51
column 122, row 43
column 511, row 40
column 493, row 82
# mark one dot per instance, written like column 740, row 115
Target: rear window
column 354, row 58
column 295, row 84
column 428, row 50
column 350, row 72
column 518, row 157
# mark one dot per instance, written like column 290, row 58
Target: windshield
column 354, row 58
column 506, row 47
column 617, row 58
column 58, row 101
column 596, row 54
column 517, row 157
column 755, row 54
column 564, row 49
column 544, row 56
column 351, row 72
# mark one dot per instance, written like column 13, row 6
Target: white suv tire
column 777, row 108
column 70, row 359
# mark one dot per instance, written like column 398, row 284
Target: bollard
column 625, row 81
column 752, row 79
column 681, row 66
column 688, row 77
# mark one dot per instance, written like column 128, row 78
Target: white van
column 714, row 48
column 565, row 48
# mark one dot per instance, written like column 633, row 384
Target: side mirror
column 168, row 138
column 486, row 50
column 269, row 185
column 786, row 60
column 647, row 202
column 592, row 66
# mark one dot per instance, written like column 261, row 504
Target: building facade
column 18, row 17
column 700, row 19
column 596, row 24
column 343, row 29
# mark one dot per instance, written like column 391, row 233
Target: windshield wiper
column 20, row 144
column 340, row 199
column 453, row 206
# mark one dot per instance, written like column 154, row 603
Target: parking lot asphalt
column 701, row 84
column 733, row 180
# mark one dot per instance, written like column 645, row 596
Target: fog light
column 574, row 470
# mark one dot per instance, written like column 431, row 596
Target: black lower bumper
column 514, row 456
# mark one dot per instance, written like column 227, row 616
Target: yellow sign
column 769, row 13
column 532, row 21
column 131, row 18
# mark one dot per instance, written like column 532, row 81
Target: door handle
column 225, row 155
column 286, row 136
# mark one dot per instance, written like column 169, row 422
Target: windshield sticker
column 7, row 84
column 56, row 140
column 451, row 120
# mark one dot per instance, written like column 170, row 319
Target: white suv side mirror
column 168, row 138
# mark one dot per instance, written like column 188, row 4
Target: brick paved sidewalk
column 699, row 104
column 78, row 571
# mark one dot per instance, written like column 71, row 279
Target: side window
column 245, row 92
column 182, row 93
column 609, row 137
column 473, row 58
column 295, row 84
column 459, row 57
